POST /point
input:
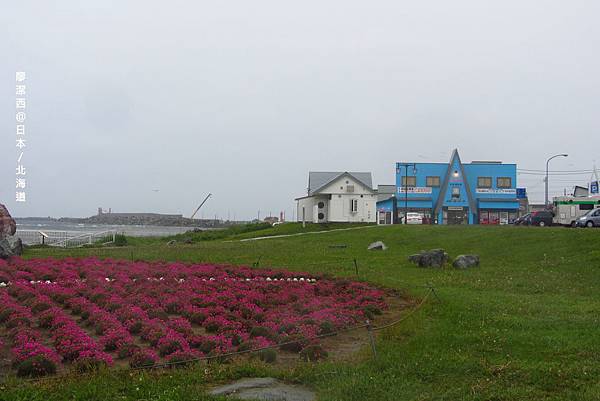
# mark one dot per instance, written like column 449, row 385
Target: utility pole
column 593, row 185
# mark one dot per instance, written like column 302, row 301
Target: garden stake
column 356, row 266
column 371, row 338
column 430, row 286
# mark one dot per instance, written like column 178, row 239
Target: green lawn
column 524, row 326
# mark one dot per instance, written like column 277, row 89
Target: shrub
column 181, row 358
column 120, row 240
column 207, row 346
column 17, row 321
column 260, row 331
column 294, row 343
column 212, row 326
column 98, row 298
column 169, row 346
column 173, row 307
column 60, row 297
column 90, row 363
column 136, row 327
column 45, row 321
column 326, row 327
column 85, row 365
column 267, row 355
column 198, row 317
column 286, row 328
column 143, row 358
column 244, row 346
column 5, row 314
column 40, row 307
column 370, row 311
column 313, row 353
column 127, row 350
column 36, row 366
column 158, row 314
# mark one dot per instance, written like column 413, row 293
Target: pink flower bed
column 96, row 311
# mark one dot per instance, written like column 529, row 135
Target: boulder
column 432, row 258
column 377, row 246
column 466, row 261
column 8, row 226
column 10, row 246
column 264, row 388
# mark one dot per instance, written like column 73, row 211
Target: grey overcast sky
column 243, row 98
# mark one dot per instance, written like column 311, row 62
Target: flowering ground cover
column 82, row 313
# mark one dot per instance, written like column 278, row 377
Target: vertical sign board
column 521, row 193
column 594, row 187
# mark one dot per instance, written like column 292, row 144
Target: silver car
column 590, row 219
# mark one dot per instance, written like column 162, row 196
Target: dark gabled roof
column 444, row 187
column 319, row 179
column 386, row 188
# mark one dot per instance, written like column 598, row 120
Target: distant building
column 385, row 204
column 338, row 197
column 271, row 219
column 480, row 192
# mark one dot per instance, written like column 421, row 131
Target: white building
column 338, row 197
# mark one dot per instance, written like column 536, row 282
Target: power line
column 556, row 171
column 554, row 174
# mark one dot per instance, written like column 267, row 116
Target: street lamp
column 547, row 162
column 406, row 165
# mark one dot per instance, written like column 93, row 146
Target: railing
column 65, row 239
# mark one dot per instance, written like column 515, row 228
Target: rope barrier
column 60, row 373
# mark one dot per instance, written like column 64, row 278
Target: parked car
column 522, row 220
column 413, row 218
column 590, row 219
column 541, row 218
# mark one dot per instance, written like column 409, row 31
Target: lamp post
column 548, row 162
column 406, row 165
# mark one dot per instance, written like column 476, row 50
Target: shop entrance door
column 457, row 216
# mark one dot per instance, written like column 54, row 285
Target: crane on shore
column 203, row 202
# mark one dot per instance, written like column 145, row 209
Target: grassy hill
column 523, row 326
column 242, row 231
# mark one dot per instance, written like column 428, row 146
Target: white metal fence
column 65, row 239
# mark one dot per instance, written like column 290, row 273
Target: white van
column 567, row 209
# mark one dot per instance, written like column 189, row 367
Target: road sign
column 521, row 193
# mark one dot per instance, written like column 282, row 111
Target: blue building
column 480, row 192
